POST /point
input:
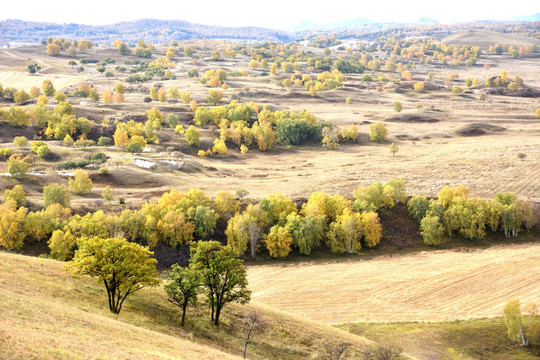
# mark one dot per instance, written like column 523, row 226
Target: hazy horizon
column 279, row 14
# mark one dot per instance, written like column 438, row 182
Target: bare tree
column 382, row 352
column 253, row 322
column 254, row 236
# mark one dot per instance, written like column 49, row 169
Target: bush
column 104, row 141
column 103, row 171
column 299, row 131
column 74, row 164
column 6, row 152
column 98, row 157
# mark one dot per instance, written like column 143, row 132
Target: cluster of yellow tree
column 455, row 213
column 133, row 136
column 55, row 46
column 178, row 218
column 277, row 223
column 326, row 80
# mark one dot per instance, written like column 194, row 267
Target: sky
column 277, row 14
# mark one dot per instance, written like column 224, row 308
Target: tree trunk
column 218, row 311
column 246, row 342
column 184, row 313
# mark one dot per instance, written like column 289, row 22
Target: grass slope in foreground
column 455, row 340
column 47, row 313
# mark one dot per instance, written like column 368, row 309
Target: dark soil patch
column 400, row 230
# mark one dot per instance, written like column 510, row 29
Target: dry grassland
column 428, row 286
column 432, row 153
column 47, row 313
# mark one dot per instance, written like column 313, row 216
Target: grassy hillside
column 47, row 313
column 456, row 340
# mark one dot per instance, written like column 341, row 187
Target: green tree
column 80, row 183
column 47, row 88
column 20, row 141
column 393, row 149
column 12, row 225
column 214, row 96
column 120, row 88
column 136, row 144
column 17, row 167
column 186, row 97
column 241, row 230
column 525, row 332
column 377, row 132
column 225, row 204
column 16, row 195
column 192, row 136
column 182, row 287
column 418, row 206
column 224, row 276
column 346, row 233
column 56, row 194
column 172, row 120
column 153, row 93
column 397, row 107
column 106, row 194
column 123, row 267
column 20, row 96
column 60, row 96
column 278, row 207
column 62, row 245
column 432, row 230
column 307, row 232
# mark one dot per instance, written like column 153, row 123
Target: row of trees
column 455, row 213
column 179, row 218
column 276, row 222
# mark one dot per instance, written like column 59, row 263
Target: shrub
column 74, row 164
column 104, row 141
column 6, row 152
column 98, row 157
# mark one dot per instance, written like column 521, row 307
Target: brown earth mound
column 424, row 117
column 477, row 129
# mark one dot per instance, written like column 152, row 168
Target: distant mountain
column 310, row 25
column 305, row 25
column 533, row 17
column 427, row 20
column 151, row 30
column 352, row 23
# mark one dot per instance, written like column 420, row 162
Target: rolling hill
column 151, row 30
column 485, row 38
column 47, row 313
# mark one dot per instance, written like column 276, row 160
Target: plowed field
column 428, row 286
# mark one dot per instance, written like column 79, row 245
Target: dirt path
column 435, row 286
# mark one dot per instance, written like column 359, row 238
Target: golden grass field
column 427, row 286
